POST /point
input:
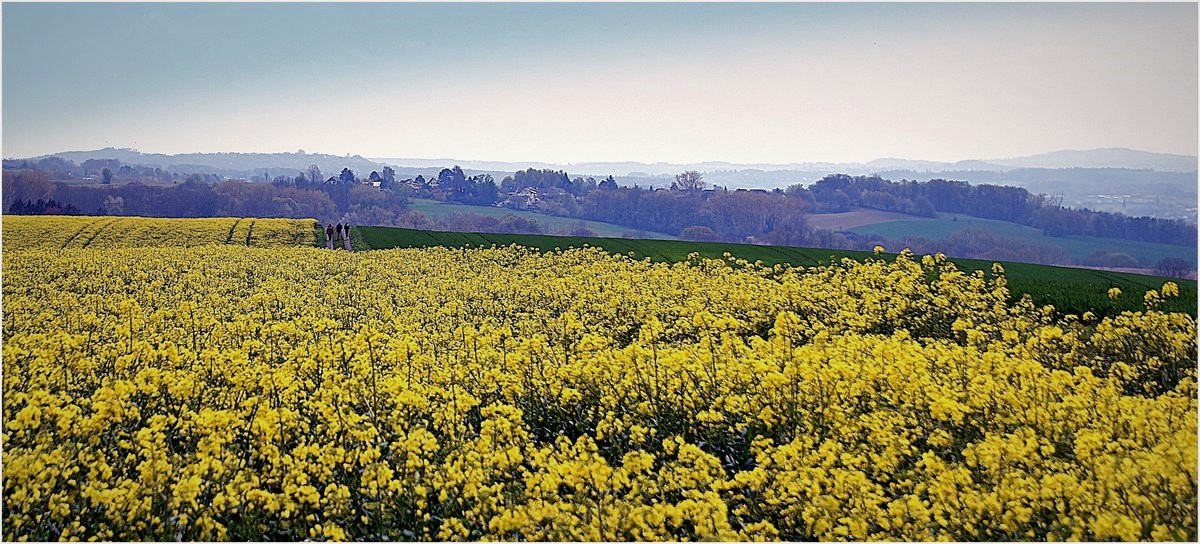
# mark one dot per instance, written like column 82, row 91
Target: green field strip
column 318, row 234
column 1069, row 290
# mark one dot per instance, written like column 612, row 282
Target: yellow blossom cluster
column 245, row 393
column 74, row 231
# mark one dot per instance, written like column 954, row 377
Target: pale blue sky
column 599, row 82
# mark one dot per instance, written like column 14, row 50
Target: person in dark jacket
column 329, row 236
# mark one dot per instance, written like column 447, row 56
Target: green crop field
column 433, row 208
column 1070, row 290
column 1077, row 247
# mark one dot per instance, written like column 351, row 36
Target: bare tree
column 689, row 180
column 314, row 174
column 1173, row 267
column 114, row 205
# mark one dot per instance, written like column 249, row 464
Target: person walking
column 329, row 236
column 346, row 239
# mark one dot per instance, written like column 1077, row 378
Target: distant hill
column 230, row 163
column 905, row 164
column 621, row 168
column 1170, row 195
column 1070, row 180
column 1096, row 158
column 1111, row 157
column 735, row 175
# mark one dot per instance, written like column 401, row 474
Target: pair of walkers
column 343, row 234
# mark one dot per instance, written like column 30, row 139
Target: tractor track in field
column 97, row 233
column 76, row 235
column 229, row 237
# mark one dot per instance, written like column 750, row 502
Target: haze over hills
column 229, row 164
column 1111, row 157
column 1111, row 179
column 1095, row 158
column 1121, row 158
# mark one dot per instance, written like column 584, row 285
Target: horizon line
column 300, row 151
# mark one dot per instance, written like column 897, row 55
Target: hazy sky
column 602, row 82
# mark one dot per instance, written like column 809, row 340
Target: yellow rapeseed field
column 280, row 393
column 66, row 231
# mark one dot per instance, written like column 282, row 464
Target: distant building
column 525, row 199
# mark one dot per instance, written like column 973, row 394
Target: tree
column 107, row 175
column 314, row 174
column 92, row 165
column 57, row 167
column 923, row 207
column 1173, row 267
column 608, row 184
column 699, row 234
column 445, row 178
column 114, row 205
column 1111, row 259
column 515, row 224
column 454, row 183
column 689, row 180
column 740, row 214
column 347, row 176
column 28, row 185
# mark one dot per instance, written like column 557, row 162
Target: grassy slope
column 1078, row 247
column 1072, row 290
column 433, row 208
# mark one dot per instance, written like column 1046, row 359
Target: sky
column 568, row 83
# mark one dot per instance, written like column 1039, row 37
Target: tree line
column 840, row 192
column 688, row 208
